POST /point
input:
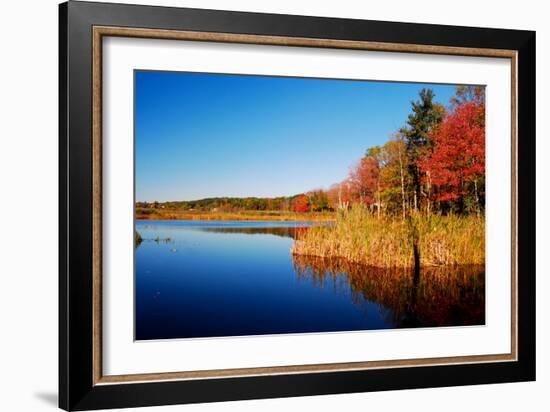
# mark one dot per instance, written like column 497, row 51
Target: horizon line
column 228, row 197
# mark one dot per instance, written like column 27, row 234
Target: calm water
column 219, row 278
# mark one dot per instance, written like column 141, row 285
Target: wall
column 28, row 203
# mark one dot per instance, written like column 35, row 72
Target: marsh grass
column 360, row 237
column 275, row 216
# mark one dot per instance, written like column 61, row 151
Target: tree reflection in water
column 289, row 231
column 434, row 296
column 431, row 296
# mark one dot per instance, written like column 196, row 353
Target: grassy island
column 361, row 237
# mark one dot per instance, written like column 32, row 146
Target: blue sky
column 209, row 135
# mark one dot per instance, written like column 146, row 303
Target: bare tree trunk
column 402, row 184
column 379, row 201
column 478, row 206
column 429, row 192
column 461, row 189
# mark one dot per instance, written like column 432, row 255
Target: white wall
column 28, row 203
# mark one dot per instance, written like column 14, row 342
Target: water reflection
column 433, row 296
column 289, row 231
column 224, row 278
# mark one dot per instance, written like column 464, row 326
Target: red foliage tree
column 458, row 154
column 364, row 180
column 301, row 204
column 340, row 195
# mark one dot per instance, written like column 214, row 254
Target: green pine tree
column 426, row 114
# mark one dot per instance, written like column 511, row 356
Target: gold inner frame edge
column 101, row 31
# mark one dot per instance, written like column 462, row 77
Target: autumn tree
column 394, row 176
column 378, row 159
column 334, row 199
column 455, row 166
column 318, row 200
column 340, row 195
column 363, row 180
column 465, row 94
column 301, row 204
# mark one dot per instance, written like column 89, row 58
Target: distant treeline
column 316, row 201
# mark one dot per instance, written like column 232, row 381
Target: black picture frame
column 77, row 390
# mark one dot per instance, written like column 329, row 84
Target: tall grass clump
column 359, row 236
column 137, row 238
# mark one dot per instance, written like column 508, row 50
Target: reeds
column 360, row 237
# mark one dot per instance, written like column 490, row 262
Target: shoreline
column 261, row 217
column 358, row 236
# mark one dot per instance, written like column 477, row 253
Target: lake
column 235, row 278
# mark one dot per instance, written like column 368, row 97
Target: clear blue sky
column 210, row 135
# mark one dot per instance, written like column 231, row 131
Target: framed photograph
column 256, row 205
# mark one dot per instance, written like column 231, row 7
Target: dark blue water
column 219, row 278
